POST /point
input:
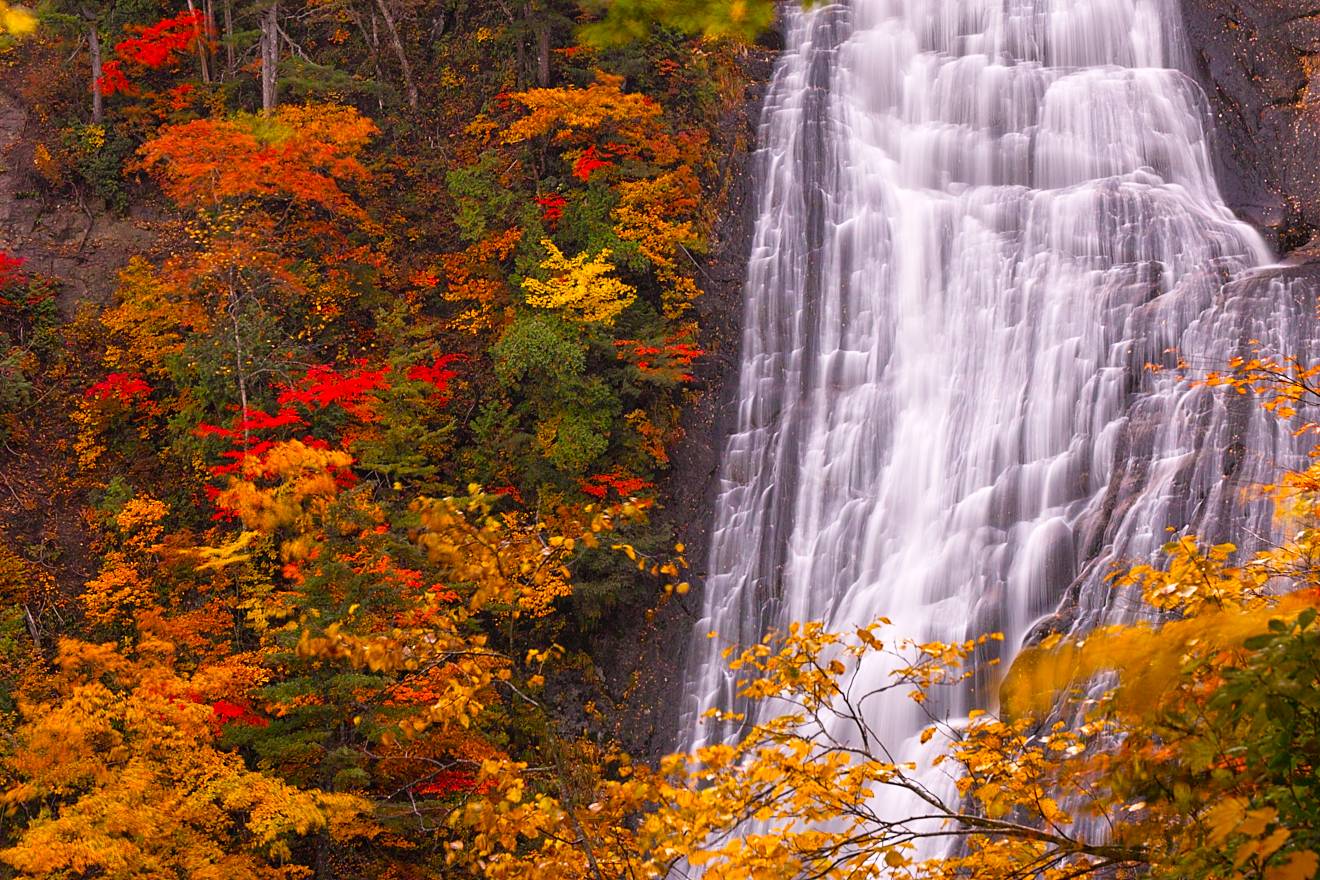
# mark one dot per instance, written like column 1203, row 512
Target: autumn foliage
column 333, row 519
column 11, row 270
column 152, row 47
column 306, row 155
column 580, row 287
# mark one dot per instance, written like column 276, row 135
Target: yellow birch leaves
column 16, row 21
column 582, row 288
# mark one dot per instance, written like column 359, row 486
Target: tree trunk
column 542, row 51
column 98, row 100
column 201, row 45
column 408, row 84
column 270, row 57
column 229, row 38
column 33, row 629
column 373, row 40
column 238, row 359
column 208, row 39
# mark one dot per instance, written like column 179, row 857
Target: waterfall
column 979, row 221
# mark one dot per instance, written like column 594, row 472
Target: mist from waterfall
column 979, row 221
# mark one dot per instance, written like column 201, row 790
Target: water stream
column 979, row 221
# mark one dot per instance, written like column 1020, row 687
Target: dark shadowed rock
column 1259, row 62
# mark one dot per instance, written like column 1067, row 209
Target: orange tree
column 311, row 692
column 284, row 258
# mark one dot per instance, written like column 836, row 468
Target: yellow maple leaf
column 1300, row 866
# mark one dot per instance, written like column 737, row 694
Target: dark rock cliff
column 1259, row 62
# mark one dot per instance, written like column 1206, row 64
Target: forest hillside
column 365, row 367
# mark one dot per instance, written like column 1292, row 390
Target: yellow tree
column 660, row 205
column 114, row 773
column 465, row 682
column 125, row 585
column 581, row 287
column 575, row 117
column 16, row 21
column 796, row 796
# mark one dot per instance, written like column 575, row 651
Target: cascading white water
column 979, row 221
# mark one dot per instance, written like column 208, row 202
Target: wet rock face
column 68, row 235
column 1259, row 61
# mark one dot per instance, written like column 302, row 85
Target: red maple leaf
column 11, row 270
column 123, row 387
column 552, row 207
column 590, row 162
